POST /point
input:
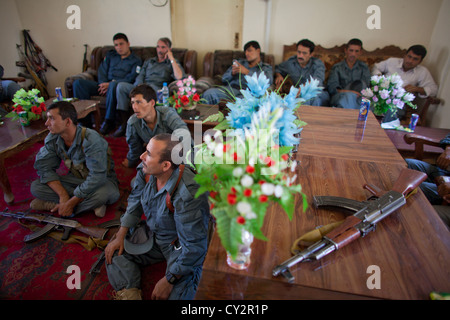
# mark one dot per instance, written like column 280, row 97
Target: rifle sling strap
column 169, row 195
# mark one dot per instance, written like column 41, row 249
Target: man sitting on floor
column 234, row 78
column 147, row 121
column 91, row 182
column 178, row 236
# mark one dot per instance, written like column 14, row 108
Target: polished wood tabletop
column 411, row 247
column 335, row 132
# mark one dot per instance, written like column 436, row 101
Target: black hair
column 147, row 92
column 118, row 36
column 253, row 44
column 166, row 153
column 66, row 110
column 355, row 42
column 308, row 44
column 419, row 50
column 166, row 41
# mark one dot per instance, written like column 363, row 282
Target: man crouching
column 175, row 229
column 91, row 182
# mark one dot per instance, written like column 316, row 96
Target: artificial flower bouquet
column 387, row 93
column 246, row 164
column 29, row 102
column 186, row 97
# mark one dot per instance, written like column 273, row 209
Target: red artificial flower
column 233, row 190
column 261, row 182
column 269, row 161
column 235, row 156
column 285, row 157
column 196, row 97
column 213, row 194
column 185, row 100
column 43, row 106
column 36, row 110
column 177, row 106
column 247, row 192
column 226, row 147
column 263, row 198
column 240, row 220
column 211, row 206
column 231, row 198
column 250, row 169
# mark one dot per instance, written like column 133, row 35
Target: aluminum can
column 59, row 95
column 413, row 121
column 159, row 96
column 364, row 109
column 23, row 118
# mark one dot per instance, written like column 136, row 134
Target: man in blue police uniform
column 91, row 182
column 119, row 65
column 147, row 121
column 177, row 235
column 155, row 71
column 234, row 78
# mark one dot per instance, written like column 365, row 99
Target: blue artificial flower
column 257, row 84
column 310, row 89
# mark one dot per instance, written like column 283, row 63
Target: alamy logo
column 374, row 20
column 74, row 20
column 74, row 281
column 374, row 281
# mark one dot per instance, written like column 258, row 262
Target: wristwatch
column 171, row 61
column 172, row 279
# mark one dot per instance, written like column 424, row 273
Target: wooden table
column 16, row 138
column 411, row 247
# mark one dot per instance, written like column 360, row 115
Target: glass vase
column 242, row 259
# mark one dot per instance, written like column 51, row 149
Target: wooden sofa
column 187, row 58
column 331, row 56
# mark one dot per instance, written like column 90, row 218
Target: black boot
column 123, row 116
column 107, row 126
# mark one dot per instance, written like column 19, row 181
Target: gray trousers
column 106, row 194
column 125, row 271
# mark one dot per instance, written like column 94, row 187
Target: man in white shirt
column 416, row 78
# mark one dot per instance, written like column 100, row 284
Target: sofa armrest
column 87, row 75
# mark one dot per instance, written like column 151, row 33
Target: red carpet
column 38, row 270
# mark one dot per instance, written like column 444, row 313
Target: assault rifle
column 368, row 214
column 54, row 222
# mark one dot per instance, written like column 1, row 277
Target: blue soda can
column 364, row 109
column 59, row 96
column 413, row 121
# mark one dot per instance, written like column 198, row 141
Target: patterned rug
column 40, row 270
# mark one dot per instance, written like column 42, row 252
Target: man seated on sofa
column 416, row 78
column 7, row 87
column 300, row 68
column 147, row 121
column 119, row 65
column 155, row 71
column 233, row 79
column 348, row 77
column 91, row 182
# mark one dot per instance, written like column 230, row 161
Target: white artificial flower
column 246, row 181
column 250, row 215
column 237, row 172
column 278, row 192
column 267, row 188
column 243, row 207
column 218, row 150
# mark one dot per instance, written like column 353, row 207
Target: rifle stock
column 408, row 181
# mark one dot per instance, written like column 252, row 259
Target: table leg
column 8, row 196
